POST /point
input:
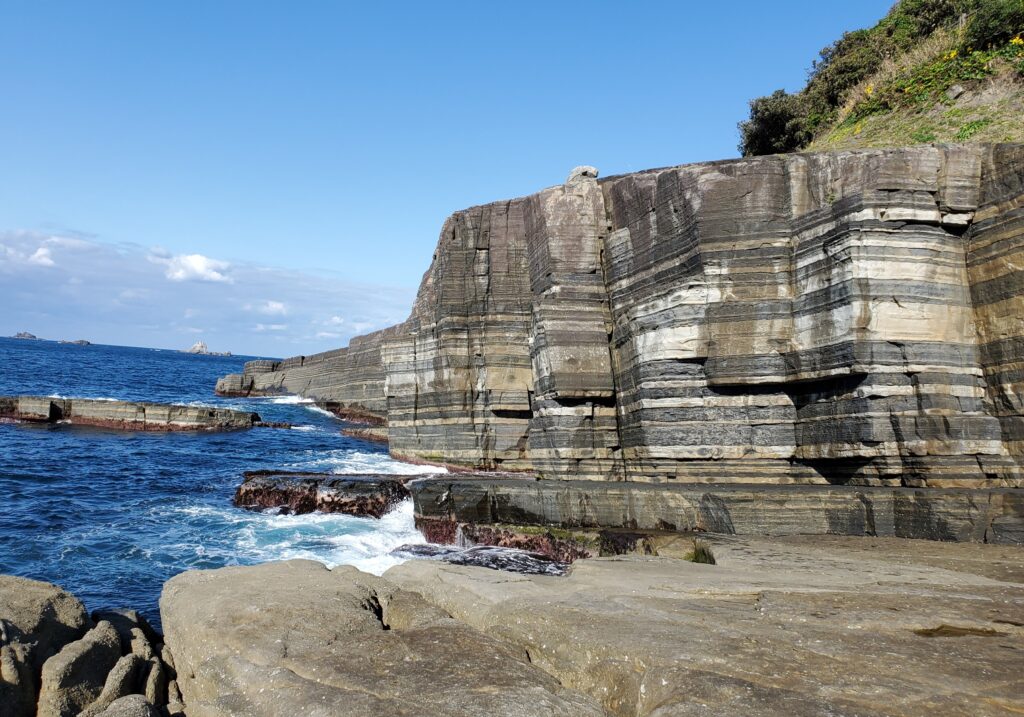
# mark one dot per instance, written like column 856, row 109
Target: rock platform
column 126, row 415
column 789, row 625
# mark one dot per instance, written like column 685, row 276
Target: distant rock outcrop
column 834, row 318
column 200, row 348
column 25, row 335
column 125, row 415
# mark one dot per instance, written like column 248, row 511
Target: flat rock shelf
column 126, row 415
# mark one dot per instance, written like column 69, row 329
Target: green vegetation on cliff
column 929, row 71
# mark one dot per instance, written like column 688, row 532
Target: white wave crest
column 346, row 461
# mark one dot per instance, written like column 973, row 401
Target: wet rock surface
column 56, row 661
column 297, row 638
column 371, row 495
column 487, row 556
column 126, row 415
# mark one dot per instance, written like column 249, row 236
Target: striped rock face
column 852, row 317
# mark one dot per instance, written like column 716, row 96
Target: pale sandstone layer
column 848, row 317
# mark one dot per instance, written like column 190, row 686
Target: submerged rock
column 371, row 495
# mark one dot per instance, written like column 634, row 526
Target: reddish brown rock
column 361, row 495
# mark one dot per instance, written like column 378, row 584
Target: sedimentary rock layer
column 842, row 318
column 125, row 415
column 443, row 505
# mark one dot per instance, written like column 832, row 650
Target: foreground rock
column 126, row 415
column 36, row 620
column 542, row 516
column 294, row 638
column 56, row 661
column 794, row 626
column 371, row 495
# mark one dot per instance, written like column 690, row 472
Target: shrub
column 701, row 553
column 776, row 125
column 994, row 22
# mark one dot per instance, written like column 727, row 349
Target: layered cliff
column 850, row 317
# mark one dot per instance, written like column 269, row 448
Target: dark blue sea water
column 111, row 515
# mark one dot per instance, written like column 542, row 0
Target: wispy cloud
column 72, row 287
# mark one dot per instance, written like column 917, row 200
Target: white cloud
column 41, row 257
column 273, row 308
column 123, row 294
column 191, row 267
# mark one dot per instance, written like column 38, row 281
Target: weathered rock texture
column 844, row 318
column 295, row 638
column 786, row 626
column 57, row 662
column 370, row 495
column 124, row 415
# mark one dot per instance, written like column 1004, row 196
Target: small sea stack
column 126, row 415
column 364, row 495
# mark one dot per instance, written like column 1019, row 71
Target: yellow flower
column 951, row 55
column 869, row 90
column 1017, row 41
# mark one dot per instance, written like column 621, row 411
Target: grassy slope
column 932, row 94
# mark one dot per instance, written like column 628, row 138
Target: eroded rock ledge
column 126, row 415
column 570, row 519
column 834, row 318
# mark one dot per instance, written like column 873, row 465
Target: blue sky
column 253, row 165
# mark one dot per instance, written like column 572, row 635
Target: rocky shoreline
column 56, row 660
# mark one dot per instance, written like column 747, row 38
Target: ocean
column 111, row 515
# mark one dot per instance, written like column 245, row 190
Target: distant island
column 200, row 347
column 25, row 335
column 77, row 342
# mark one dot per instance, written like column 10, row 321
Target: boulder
column 131, row 706
column 36, row 620
column 74, row 678
column 297, row 638
column 123, row 680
